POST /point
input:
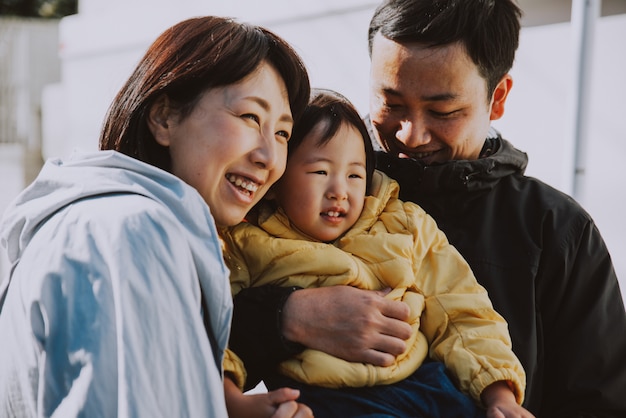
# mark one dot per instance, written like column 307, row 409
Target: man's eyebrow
column 266, row 106
column 440, row 97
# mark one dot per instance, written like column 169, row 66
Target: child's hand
column 288, row 408
column 279, row 403
column 500, row 402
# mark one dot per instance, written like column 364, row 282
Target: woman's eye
column 284, row 134
column 251, row 116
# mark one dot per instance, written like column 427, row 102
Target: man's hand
column 349, row 323
column 279, row 403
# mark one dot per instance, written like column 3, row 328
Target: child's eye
column 322, row 172
column 356, row 176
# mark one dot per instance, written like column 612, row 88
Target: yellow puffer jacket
column 393, row 244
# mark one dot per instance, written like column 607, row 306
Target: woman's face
column 233, row 146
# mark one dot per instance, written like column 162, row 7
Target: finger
column 283, row 395
column 378, row 358
column 303, row 412
column 394, row 309
column 286, row 410
column 388, row 344
column 395, row 329
column 494, row 413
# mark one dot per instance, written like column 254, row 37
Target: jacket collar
column 456, row 176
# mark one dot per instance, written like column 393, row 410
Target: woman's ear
column 500, row 94
column 159, row 121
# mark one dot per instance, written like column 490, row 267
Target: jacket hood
column 465, row 175
column 62, row 182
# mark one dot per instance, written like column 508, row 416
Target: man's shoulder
column 538, row 193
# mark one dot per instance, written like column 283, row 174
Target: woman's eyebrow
column 285, row 117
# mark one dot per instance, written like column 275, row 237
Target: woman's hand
column 349, row 323
column 279, row 403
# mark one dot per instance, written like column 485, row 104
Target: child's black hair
column 334, row 109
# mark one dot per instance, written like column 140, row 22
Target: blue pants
column 427, row 393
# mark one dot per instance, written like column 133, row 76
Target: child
column 333, row 220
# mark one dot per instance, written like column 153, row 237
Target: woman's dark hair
column 335, row 110
column 183, row 62
column 488, row 29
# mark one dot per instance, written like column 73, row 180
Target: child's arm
column 279, row 403
column 499, row 400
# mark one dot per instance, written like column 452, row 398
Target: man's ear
column 159, row 119
column 500, row 94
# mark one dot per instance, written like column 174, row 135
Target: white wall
column 100, row 46
column 538, row 121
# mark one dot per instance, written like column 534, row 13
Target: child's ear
column 159, row 119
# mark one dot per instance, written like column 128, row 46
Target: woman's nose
column 266, row 154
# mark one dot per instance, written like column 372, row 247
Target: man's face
column 429, row 103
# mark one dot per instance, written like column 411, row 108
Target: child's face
column 323, row 188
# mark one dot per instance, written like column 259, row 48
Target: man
column 439, row 76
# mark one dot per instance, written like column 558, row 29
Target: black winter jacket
column 540, row 257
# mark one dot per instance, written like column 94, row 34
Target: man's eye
column 443, row 114
column 391, row 107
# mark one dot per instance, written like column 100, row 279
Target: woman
column 116, row 300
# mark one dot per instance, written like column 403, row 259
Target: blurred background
column 62, row 62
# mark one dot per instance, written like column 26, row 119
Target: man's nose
column 413, row 133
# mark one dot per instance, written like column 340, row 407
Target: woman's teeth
column 243, row 183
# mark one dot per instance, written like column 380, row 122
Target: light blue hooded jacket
column 103, row 261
